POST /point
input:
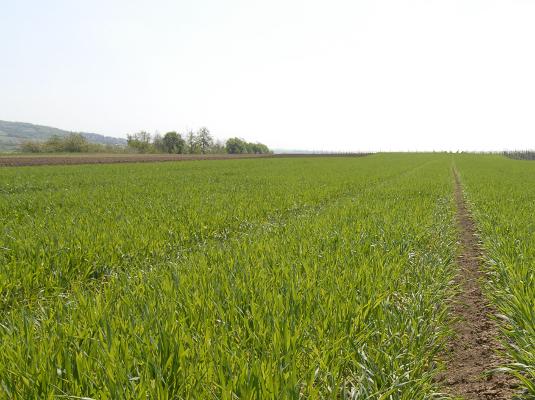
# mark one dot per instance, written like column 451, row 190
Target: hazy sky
column 324, row 75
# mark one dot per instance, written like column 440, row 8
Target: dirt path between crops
column 472, row 353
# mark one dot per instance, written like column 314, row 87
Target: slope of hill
column 12, row 134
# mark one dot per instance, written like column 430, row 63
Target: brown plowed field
column 15, row 161
column 72, row 159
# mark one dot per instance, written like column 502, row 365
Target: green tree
column 236, row 146
column 74, row 143
column 158, row 144
column 31, row 146
column 53, row 144
column 218, row 147
column 258, row 148
column 239, row 146
column 173, row 143
column 204, row 140
column 140, row 141
column 192, row 143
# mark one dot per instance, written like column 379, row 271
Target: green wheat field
column 283, row 278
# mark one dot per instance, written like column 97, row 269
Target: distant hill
column 12, row 134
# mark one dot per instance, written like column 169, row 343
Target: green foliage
column 72, row 143
column 192, row 144
column 158, row 144
column 31, row 138
column 30, row 146
column 204, row 140
column 240, row 146
column 236, row 146
column 200, row 142
column 173, row 143
column 263, row 278
column 502, row 193
column 140, row 141
column 258, row 148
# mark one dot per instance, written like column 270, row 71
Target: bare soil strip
column 75, row 159
column 473, row 352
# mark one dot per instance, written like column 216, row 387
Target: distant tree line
column 72, row 143
column 200, row 142
column 520, row 155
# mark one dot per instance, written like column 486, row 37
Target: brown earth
column 474, row 352
column 72, row 159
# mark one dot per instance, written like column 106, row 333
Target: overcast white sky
column 323, row 75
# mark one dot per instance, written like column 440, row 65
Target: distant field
column 83, row 158
column 270, row 278
column 17, row 160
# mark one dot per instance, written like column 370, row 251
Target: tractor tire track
column 474, row 352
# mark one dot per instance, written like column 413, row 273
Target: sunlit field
column 256, row 278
